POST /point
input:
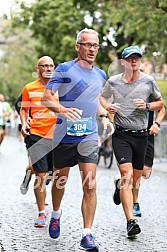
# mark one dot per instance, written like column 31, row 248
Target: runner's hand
column 109, row 126
column 154, row 129
column 139, row 103
column 113, row 108
column 73, row 114
column 25, row 130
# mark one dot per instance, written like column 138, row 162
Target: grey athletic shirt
column 128, row 116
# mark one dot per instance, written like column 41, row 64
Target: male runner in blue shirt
column 76, row 133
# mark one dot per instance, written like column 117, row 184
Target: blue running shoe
column 87, row 243
column 54, row 227
column 136, row 210
column 47, row 181
column 41, row 220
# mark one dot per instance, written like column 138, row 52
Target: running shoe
column 116, row 196
column 136, row 210
column 88, row 244
column 54, row 227
column 133, row 228
column 47, row 181
column 25, row 184
column 40, row 221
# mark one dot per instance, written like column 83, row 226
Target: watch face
column 147, row 105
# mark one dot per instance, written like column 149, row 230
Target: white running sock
column 42, row 212
column 56, row 214
column 86, row 231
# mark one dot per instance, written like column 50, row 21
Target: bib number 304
column 80, row 128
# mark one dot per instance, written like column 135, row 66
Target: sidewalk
column 160, row 165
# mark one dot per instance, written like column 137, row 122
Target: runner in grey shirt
column 130, row 91
column 128, row 116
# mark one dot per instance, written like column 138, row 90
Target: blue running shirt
column 78, row 87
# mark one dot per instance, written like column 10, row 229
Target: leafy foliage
column 54, row 25
column 119, row 23
column 17, row 63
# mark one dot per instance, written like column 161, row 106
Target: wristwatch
column 147, row 106
column 157, row 124
column 102, row 115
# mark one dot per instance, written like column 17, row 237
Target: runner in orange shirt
column 39, row 132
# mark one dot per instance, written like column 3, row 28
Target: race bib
column 79, row 128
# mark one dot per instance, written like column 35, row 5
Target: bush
column 162, row 84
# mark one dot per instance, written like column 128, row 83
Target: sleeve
column 57, row 79
column 7, row 107
column 107, row 90
column 155, row 90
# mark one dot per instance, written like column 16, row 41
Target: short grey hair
column 86, row 30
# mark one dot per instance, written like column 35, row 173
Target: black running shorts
column 40, row 152
column 130, row 148
column 27, row 141
column 149, row 152
column 69, row 154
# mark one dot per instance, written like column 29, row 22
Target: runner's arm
column 48, row 100
column 155, row 105
column 24, row 112
column 160, row 116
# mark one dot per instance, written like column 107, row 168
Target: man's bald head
column 44, row 59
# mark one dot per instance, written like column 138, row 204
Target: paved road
column 19, row 211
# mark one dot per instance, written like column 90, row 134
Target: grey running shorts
column 70, row 154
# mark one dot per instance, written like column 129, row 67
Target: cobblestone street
column 18, row 211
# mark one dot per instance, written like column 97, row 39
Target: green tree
column 17, row 63
column 119, row 23
column 54, row 25
column 130, row 22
